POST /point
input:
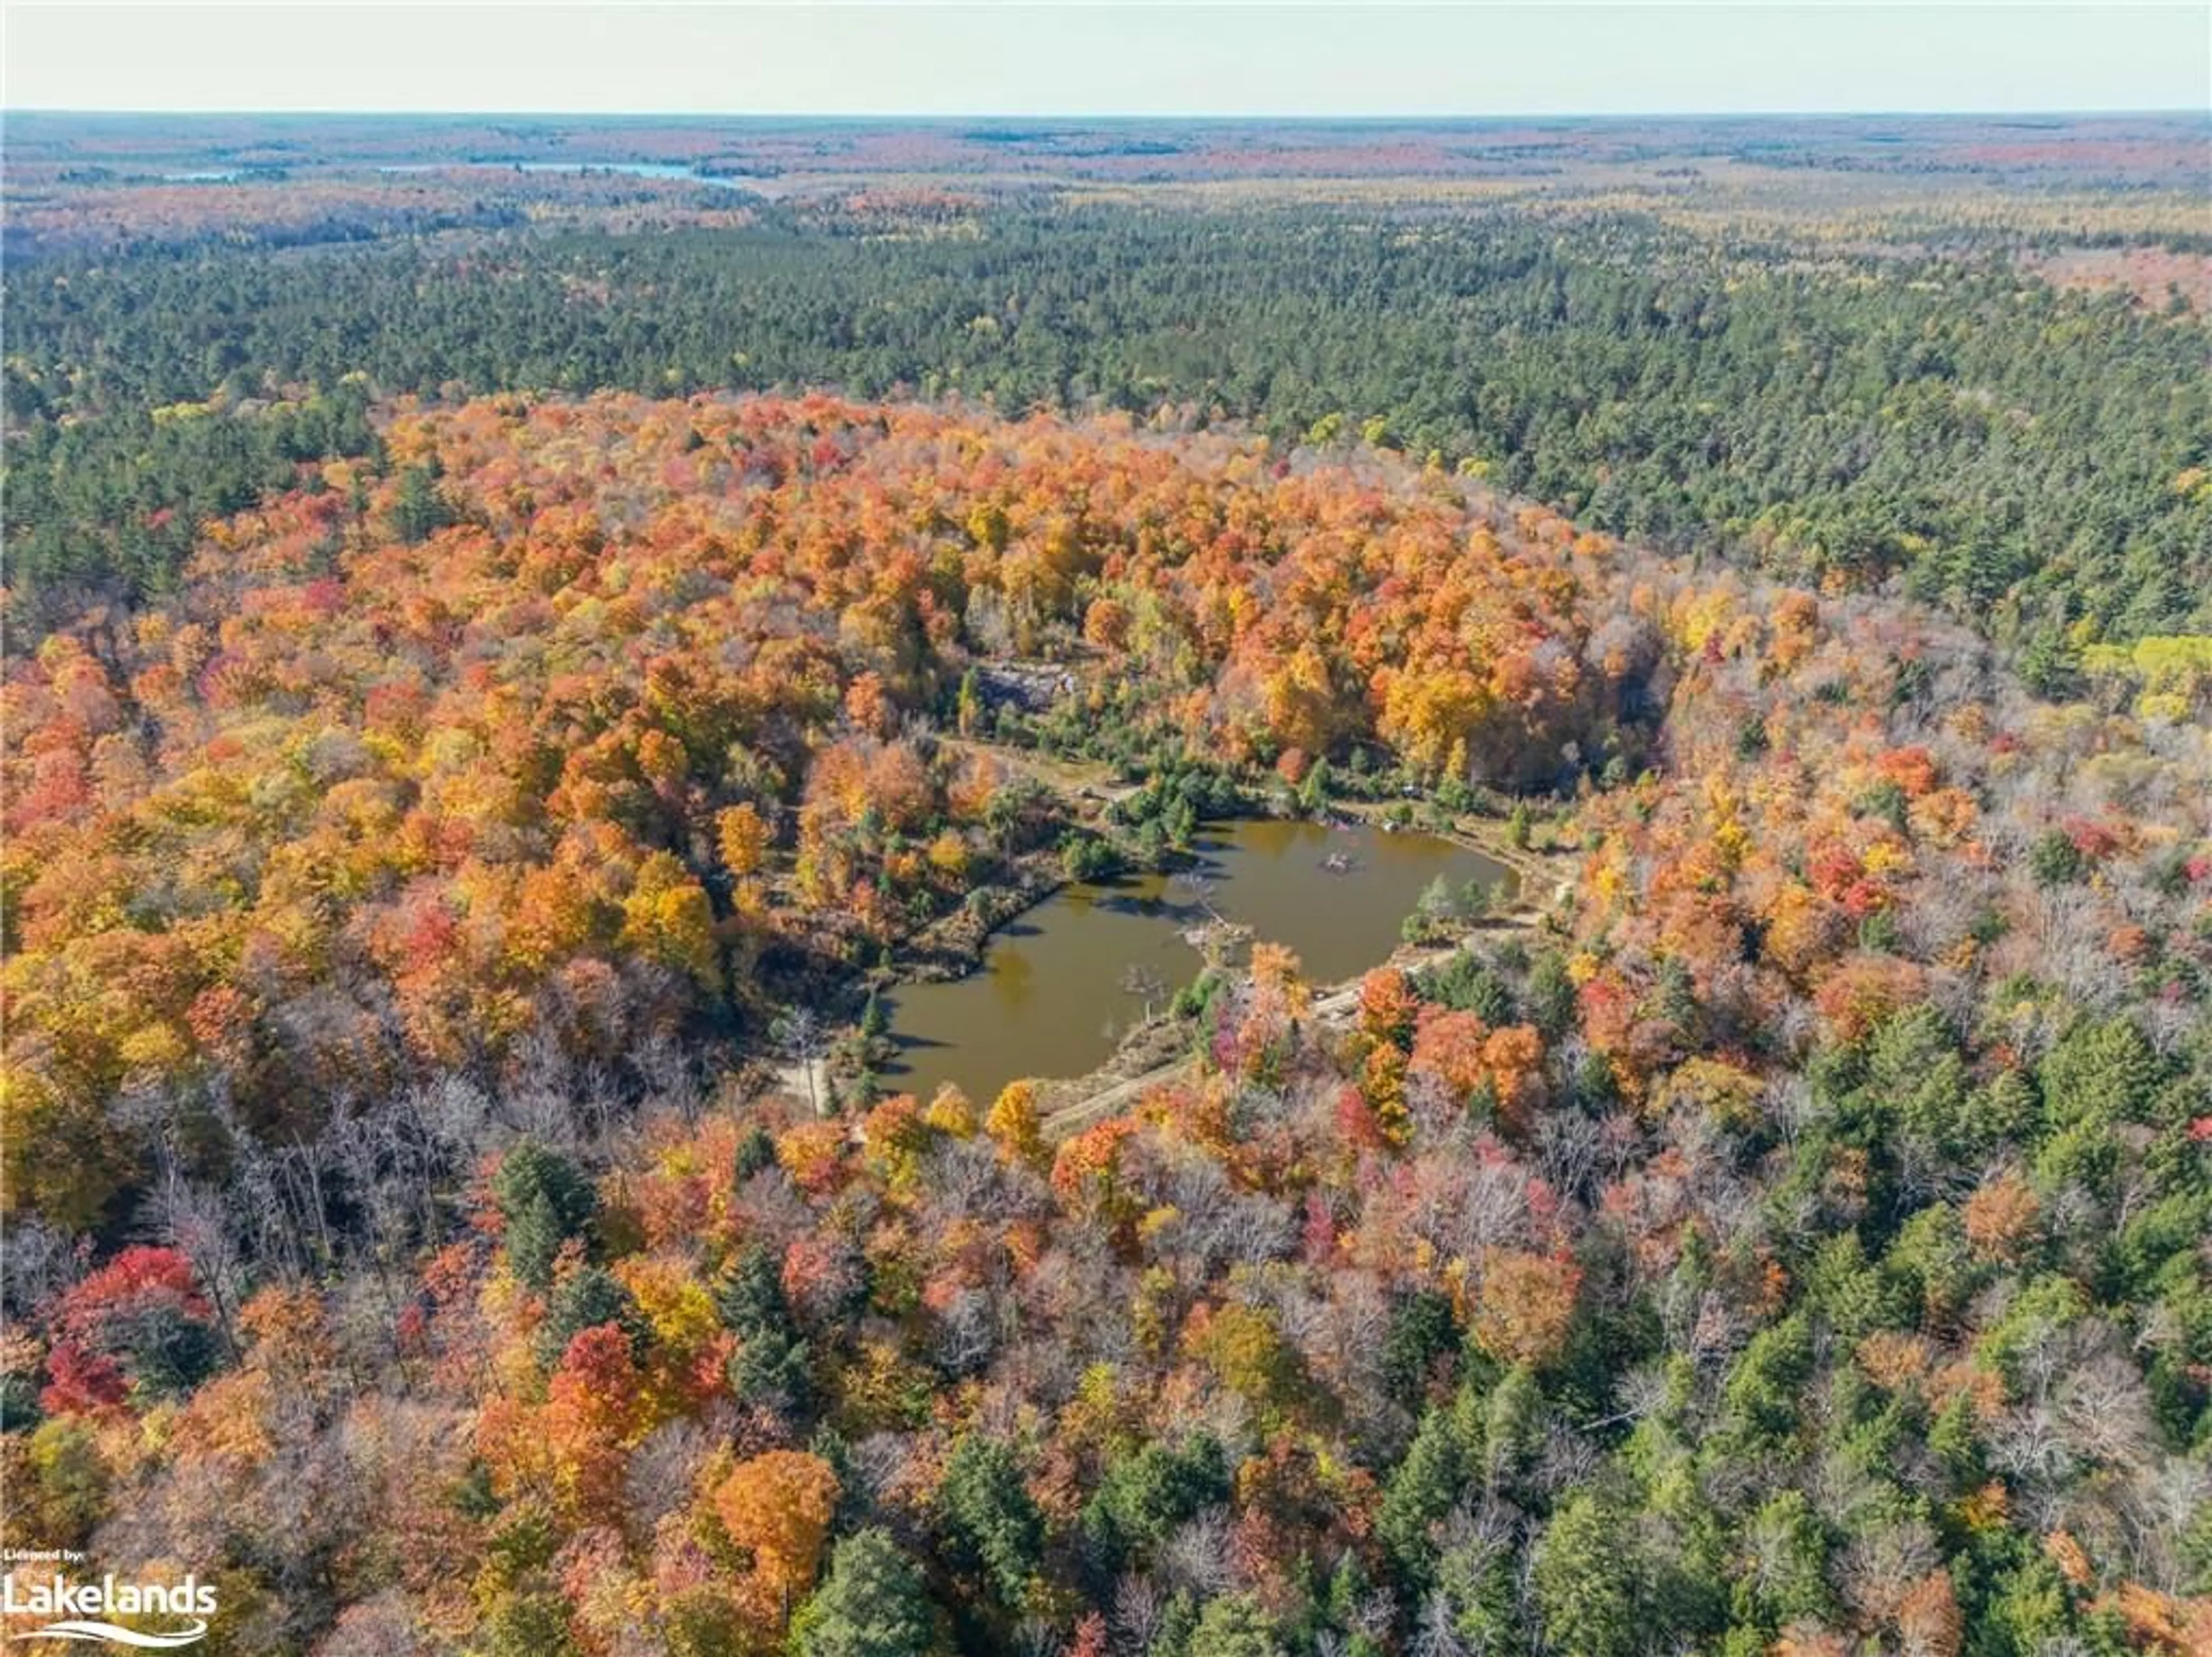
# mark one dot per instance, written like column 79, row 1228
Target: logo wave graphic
column 87, row 1629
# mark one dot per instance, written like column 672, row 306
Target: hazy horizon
column 1135, row 62
column 947, row 118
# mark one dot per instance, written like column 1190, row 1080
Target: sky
column 1127, row 58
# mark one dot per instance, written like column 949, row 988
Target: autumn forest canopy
column 508, row 672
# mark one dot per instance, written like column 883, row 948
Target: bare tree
column 1434, row 1633
column 1194, row 889
column 1199, row 1556
column 968, row 1331
column 1137, row 1612
column 668, row 1074
column 190, row 1219
column 662, row 1469
column 800, row 1037
column 36, row 1266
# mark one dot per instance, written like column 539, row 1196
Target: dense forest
column 1794, row 1242
column 523, row 635
column 2039, row 461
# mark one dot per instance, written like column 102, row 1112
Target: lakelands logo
column 78, row 1610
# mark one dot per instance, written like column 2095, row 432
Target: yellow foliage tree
column 666, row 917
column 1015, row 1124
column 741, row 835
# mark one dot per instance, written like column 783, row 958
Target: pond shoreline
column 1054, row 988
column 954, row 949
column 1155, row 1054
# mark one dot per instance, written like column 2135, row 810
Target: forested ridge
column 1795, row 1244
column 2033, row 460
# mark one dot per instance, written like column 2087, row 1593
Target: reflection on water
column 1056, row 990
column 1014, row 981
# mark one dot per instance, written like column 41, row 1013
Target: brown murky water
column 1059, row 984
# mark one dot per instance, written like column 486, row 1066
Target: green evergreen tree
column 1235, row 1626
column 992, row 1522
column 420, row 510
column 544, row 1201
column 2104, row 1072
column 1588, row 1587
column 1421, row 1492
column 874, row 1602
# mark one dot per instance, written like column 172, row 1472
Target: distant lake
column 633, row 169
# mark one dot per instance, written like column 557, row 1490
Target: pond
column 1059, row 984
